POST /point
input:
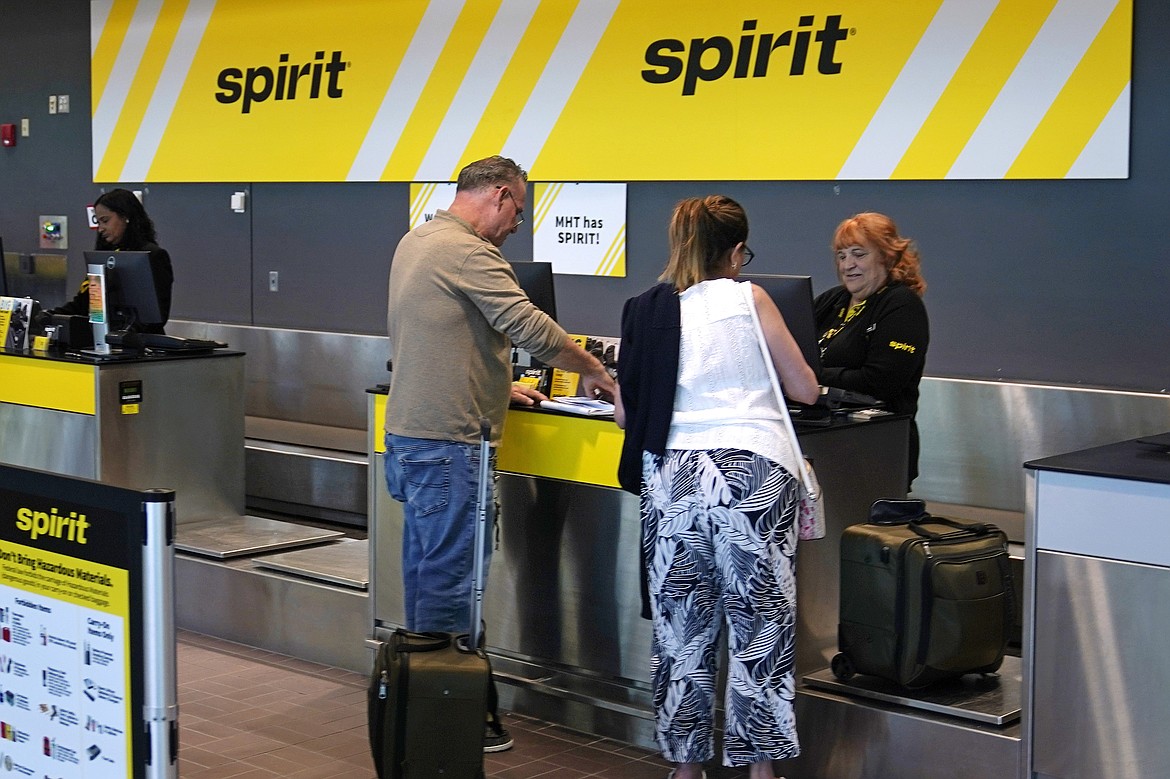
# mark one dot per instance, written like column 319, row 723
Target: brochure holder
column 15, row 315
column 98, row 315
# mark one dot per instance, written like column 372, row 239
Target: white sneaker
column 496, row 738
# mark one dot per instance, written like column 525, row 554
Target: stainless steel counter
column 563, row 605
column 183, row 431
column 1096, row 620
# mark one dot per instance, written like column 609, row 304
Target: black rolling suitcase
column 428, row 692
column 922, row 598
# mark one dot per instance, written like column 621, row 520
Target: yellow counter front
column 542, row 443
column 561, row 446
column 50, row 384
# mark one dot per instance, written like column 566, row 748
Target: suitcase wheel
column 842, row 667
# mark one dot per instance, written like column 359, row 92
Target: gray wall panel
column 44, row 50
column 331, row 245
column 210, row 247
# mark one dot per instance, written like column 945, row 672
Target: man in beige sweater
column 455, row 310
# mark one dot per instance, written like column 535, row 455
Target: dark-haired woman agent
column 123, row 225
column 707, row 449
column 873, row 328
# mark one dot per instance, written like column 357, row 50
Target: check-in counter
column 1096, row 619
column 176, row 421
column 562, row 604
column 172, row 421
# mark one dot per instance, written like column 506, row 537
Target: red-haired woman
column 873, row 327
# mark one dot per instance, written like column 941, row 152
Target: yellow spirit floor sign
column 610, row 90
column 80, row 600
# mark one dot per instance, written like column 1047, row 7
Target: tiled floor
column 247, row 713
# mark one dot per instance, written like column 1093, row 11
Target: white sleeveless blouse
column 724, row 398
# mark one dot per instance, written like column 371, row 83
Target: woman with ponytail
column 707, row 450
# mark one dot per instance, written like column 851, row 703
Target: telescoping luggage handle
column 485, row 436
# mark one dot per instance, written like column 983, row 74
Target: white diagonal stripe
column 1036, row 82
column 430, row 198
column 166, row 92
column 548, row 197
column 483, row 77
column 109, row 107
column 99, row 14
column 417, row 64
column 556, row 83
column 939, row 53
column 1106, row 155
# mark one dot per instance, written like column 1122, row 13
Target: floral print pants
column 719, row 537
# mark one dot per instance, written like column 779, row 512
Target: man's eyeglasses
column 748, row 256
column 519, row 211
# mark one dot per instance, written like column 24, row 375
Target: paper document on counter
column 580, row 405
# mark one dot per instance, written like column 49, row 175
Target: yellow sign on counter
column 569, row 448
column 61, row 386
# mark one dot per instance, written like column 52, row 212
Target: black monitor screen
column 793, row 296
column 536, row 279
column 131, row 297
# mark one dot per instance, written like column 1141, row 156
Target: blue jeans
column 436, row 481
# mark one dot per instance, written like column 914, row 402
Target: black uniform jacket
column 881, row 351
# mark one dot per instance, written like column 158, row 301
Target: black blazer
column 648, row 375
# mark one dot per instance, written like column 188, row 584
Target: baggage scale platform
column 992, row 699
column 247, row 535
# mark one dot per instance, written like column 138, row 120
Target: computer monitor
column 131, row 296
column 793, row 296
column 536, row 279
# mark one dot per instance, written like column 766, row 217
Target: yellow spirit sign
column 610, row 90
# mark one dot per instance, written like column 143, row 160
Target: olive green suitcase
column 428, row 693
column 922, row 598
column 426, row 707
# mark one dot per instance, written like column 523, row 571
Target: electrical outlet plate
column 273, row 281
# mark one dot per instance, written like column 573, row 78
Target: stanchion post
column 160, row 707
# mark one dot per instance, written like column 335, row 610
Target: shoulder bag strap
column 959, row 528
column 805, row 478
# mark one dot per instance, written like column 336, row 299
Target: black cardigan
column 648, row 376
